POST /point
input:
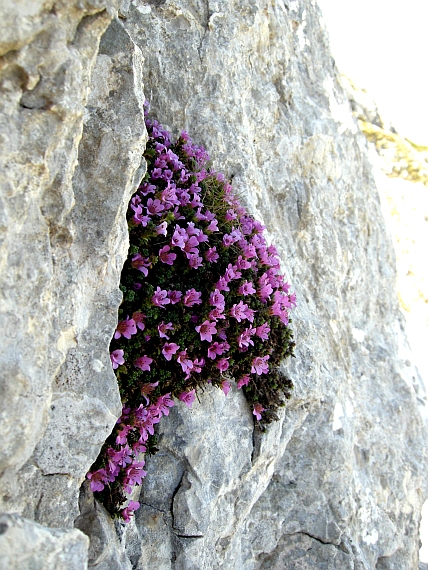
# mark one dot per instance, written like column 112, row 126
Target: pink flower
column 179, row 237
column 227, row 240
column 260, row 365
column 212, row 227
column 225, row 386
column 126, row 328
column 141, row 263
column 246, row 289
column 206, row 330
column 166, row 257
column 191, row 246
column 138, row 318
column 211, row 255
column 160, row 298
column 257, row 411
column 195, row 261
column 134, row 476
column 216, row 314
column 223, row 364
column 217, row 299
column 244, row 339
column 143, row 363
column 116, row 358
column 230, row 215
column 221, row 284
column 97, row 479
column 187, row 397
column 184, row 361
column 238, row 311
column 164, row 403
column 232, row 273
column 154, row 206
column 169, row 349
column 174, row 296
column 128, row 511
column 162, row 328
column 192, row 297
column 263, row 331
column 243, row 381
column 217, row 348
column 161, row 229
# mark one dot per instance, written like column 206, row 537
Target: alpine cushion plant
column 203, row 302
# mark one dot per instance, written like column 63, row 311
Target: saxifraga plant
column 203, row 301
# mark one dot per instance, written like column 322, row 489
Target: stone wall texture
column 339, row 481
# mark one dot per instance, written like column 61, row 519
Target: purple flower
column 160, row 298
column 154, row 206
column 138, row 318
column 187, row 397
column 206, row 330
column 230, row 215
column 169, row 349
column 263, row 331
column 191, row 246
column 192, row 297
column 179, row 237
column 184, row 361
column 212, row 226
column 126, row 328
column 163, row 404
column 260, row 365
column 116, row 358
column 217, row 348
column 143, row 363
column 244, row 339
column 227, row 240
column 211, row 255
column 217, row 299
column 225, row 386
column 257, row 411
column 239, row 311
column 195, row 261
column 128, row 511
column 166, row 257
column 97, row 479
column 243, row 381
column 174, row 296
column 162, row 328
column 216, row 314
column 232, row 273
column 141, row 263
column 246, row 289
column 161, row 229
column 243, row 264
column 223, row 364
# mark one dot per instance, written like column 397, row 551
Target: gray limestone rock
column 70, row 160
column 26, row 545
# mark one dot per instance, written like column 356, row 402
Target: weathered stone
column 26, row 545
column 71, row 161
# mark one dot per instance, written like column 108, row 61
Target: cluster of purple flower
column 199, row 257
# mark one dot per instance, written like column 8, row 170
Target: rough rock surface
column 339, row 481
column 71, row 152
column 27, row 545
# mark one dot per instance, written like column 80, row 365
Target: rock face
column 70, row 154
column 339, row 481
